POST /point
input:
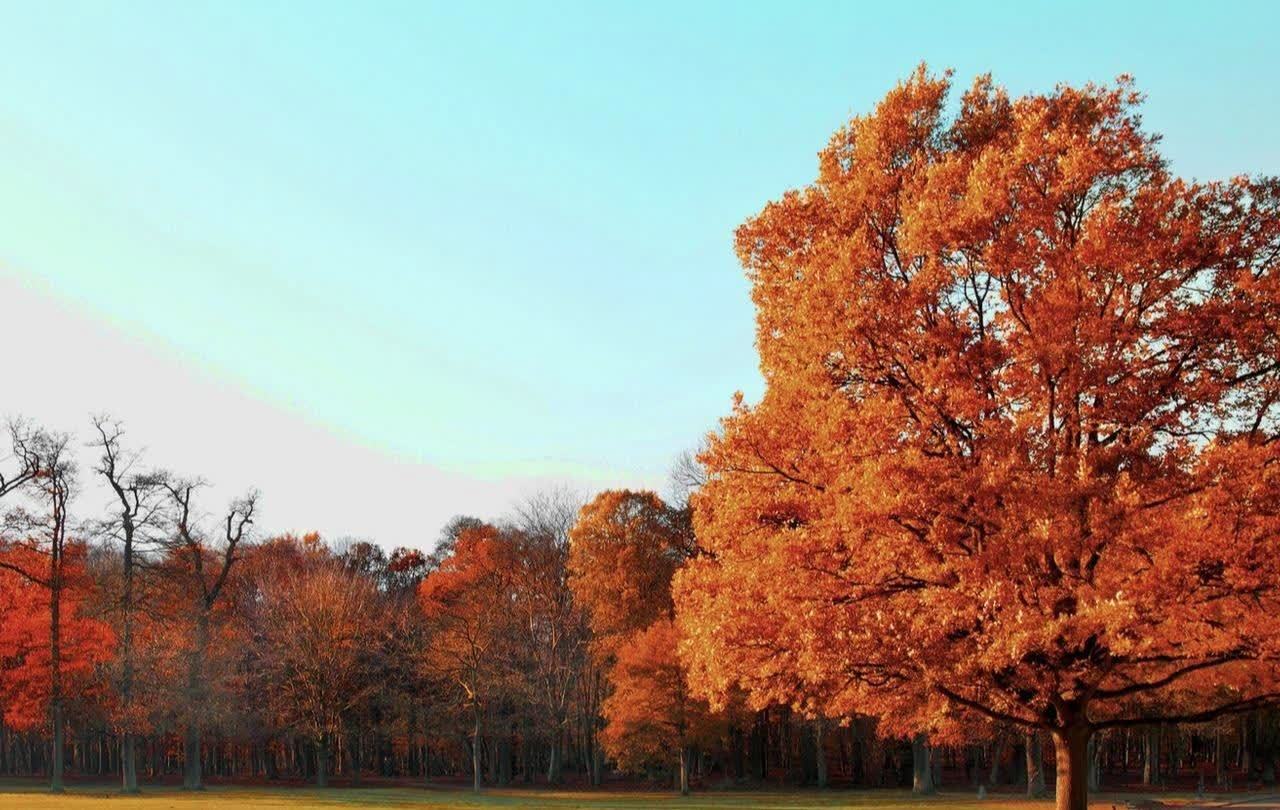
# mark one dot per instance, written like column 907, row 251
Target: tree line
column 163, row 641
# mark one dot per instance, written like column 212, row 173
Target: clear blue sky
column 496, row 239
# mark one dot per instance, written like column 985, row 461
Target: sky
column 391, row 262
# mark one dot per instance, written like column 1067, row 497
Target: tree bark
column 353, row 756
column 322, row 761
column 553, row 765
column 128, row 745
column 1219, row 761
column 475, row 754
column 820, row 750
column 192, row 775
column 55, row 760
column 684, row 770
column 1071, row 750
column 128, row 763
column 921, row 770
column 1095, row 763
column 597, row 767
column 1151, row 757
column 997, row 754
column 1035, row 766
column 1246, row 746
column 55, row 666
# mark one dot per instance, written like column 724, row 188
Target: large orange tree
column 1017, row 454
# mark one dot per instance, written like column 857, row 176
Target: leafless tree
column 686, row 477
column 554, row 626
column 47, row 477
column 24, row 455
column 204, row 568
column 135, row 517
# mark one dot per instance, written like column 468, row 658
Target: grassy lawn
column 104, row 797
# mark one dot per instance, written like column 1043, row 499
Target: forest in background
column 538, row 649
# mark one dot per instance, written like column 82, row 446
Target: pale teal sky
column 494, row 239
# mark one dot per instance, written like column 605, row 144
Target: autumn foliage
column 87, row 642
column 1017, row 453
column 624, row 550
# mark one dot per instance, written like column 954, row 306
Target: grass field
column 104, row 797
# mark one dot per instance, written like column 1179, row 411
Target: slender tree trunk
column 820, row 750
column 128, row 763
column 684, row 770
column 1219, row 761
column 997, row 754
column 475, row 754
column 1035, row 766
column 353, row 756
column 921, row 770
column 1151, row 757
column 322, row 761
column 597, row 766
column 55, row 759
column 55, row 667
column 128, row 745
column 1095, row 763
column 1071, row 750
column 553, row 764
column 597, row 751
column 526, row 753
column 192, row 776
column 1246, row 746
column 191, row 773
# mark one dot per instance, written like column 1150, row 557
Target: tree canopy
column 1017, row 452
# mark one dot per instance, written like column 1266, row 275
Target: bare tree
column 137, row 496
column 25, row 452
column 553, row 624
column 686, row 477
column 47, row 475
column 205, row 569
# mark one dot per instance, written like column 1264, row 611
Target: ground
column 30, row 796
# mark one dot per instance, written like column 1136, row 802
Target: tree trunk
column 55, row 760
column 997, row 754
column 353, row 756
column 820, row 750
column 1035, row 766
column 1151, row 757
column 1071, row 750
column 553, row 765
column 128, row 745
column 191, row 776
column 1095, row 763
column 475, row 755
column 684, row 770
column 1246, row 746
column 597, row 767
column 921, row 770
column 1219, row 761
column 55, row 668
column 322, row 761
column 128, row 763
